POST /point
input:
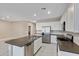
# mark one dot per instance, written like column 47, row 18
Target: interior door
column 29, row 30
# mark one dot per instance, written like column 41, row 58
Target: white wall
column 68, row 17
column 54, row 25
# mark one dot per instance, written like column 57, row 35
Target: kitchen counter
column 60, row 32
column 22, row 41
column 68, row 46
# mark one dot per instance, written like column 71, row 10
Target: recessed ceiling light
column 43, row 8
column 49, row 12
column 7, row 17
column 35, row 14
column 34, row 21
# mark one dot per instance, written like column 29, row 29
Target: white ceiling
column 26, row 11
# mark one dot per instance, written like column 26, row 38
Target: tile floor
column 47, row 50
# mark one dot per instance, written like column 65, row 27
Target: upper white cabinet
column 76, row 18
column 55, row 25
column 68, row 17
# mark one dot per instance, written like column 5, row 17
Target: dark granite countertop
column 68, row 46
column 23, row 41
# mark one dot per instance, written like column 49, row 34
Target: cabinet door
column 76, row 40
column 37, row 44
column 53, row 39
column 3, row 49
column 16, row 51
column 76, row 18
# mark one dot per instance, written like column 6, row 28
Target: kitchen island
column 24, row 46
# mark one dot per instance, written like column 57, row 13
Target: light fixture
column 7, row 17
column 49, row 12
column 43, row 8
column 35, row 14
column 34, row 21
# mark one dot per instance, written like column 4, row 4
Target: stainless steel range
column 46, row 37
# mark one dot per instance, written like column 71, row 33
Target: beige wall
column 22, row 27
column 5, row 28
column 16, row 28
column 19, row 28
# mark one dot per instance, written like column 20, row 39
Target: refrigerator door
column 46, row 29
column 46, row 37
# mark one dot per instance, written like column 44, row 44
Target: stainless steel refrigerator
column 46, row 36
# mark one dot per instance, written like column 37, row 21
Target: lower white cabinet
column 16, row 51
column 53, row 39
column 3, row 49
column 76, row 40
column 37, row 44
column 25, row 50
column 21, row 51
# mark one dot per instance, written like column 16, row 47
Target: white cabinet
column 37, row 44
column 76, row 18
column 53, row 39
column 68, row 17
column 16, row 51
column 3, row 49
column 21, row 51
column 76, row 40
column 25, row 50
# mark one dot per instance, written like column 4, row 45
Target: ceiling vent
column 43, row 8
